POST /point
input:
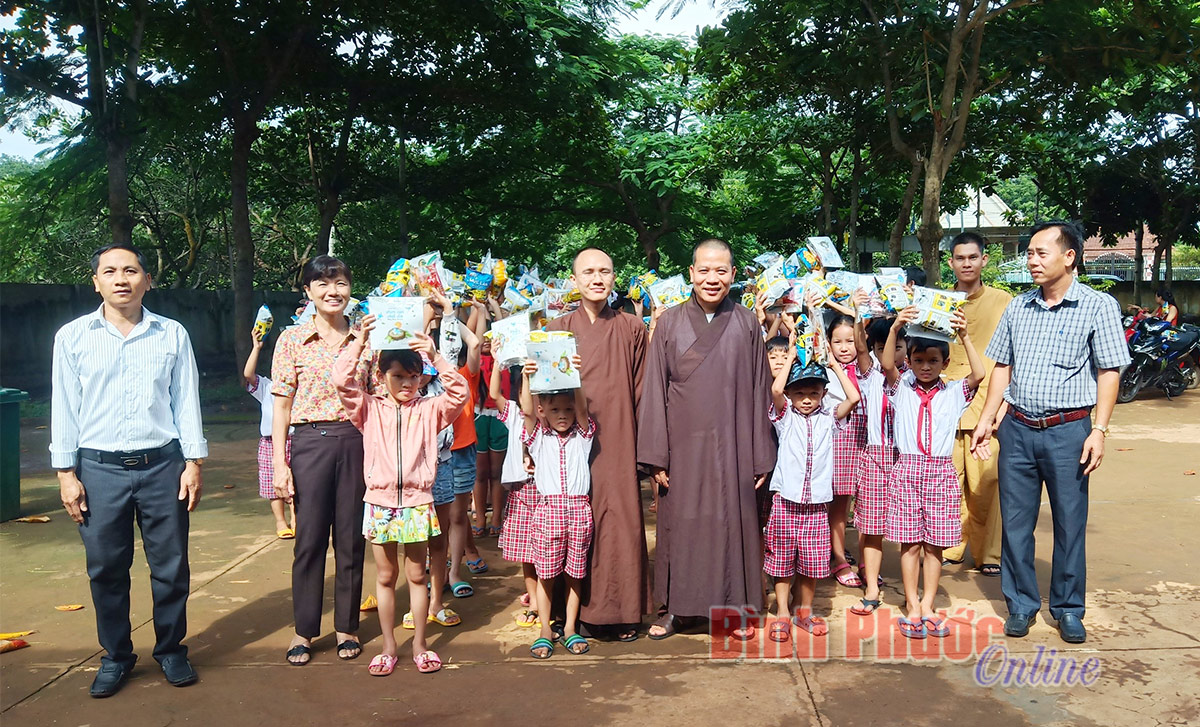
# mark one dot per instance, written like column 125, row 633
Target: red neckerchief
column 925, row 444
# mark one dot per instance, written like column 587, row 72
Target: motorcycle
column 1162, row 355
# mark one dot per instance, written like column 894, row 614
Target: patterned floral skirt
column 400, row 524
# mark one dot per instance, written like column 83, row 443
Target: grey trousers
column 116, row 499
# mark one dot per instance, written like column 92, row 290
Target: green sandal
column 542, row 643
column 573, row 640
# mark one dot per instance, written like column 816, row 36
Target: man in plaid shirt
column 1058, row 350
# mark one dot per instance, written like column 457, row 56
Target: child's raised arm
column 581, row 407
column 780, row 383
column 887, row 358
column 345, row 376
column 852, row 395
column 494, row 390
column 959, row 323
column 526, row 400
column 861, row 348
column 250, row 371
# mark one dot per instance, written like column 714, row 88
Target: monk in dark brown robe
column 613, row 348
column 704, row 432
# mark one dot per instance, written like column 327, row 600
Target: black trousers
column 116, row 498
column 327, row 472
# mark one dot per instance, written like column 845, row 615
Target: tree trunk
column 648, row 239
column 402, row 195
column 328, row 210
column 1139, row 263
column 244, row 132
column 1158, row 254
column 855, row 194
column 826, row 193
column 905, row 214
column 930, row 231
column 1170, row 272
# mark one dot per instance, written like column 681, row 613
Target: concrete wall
column 31, row 314
column 1187, row 296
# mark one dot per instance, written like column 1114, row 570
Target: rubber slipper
column 526, row 618
column 849, row 559
column 575, row 640
column 846, row 576
column 866, row 607
column 349, row 645
column 627, row 636
column 556, row 632
column 910, row 629
column 297, row 651
column 462, row 589
column 408, row 622
column 814, row 625
column 369, row 603
column 780, row 631
column 477, row 566
column 428, row 662
column 285, row 533
column 990, row 569
column 935, row 627
column 382, row 665
column 669, row 625
column 494, row 532
column 477, row 532
column 951, row 561
column 743, row 634
column 445, row 617
column 542, row 643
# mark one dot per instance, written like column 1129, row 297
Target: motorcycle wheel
column 1191, row 375
column 1131, row 383
column 1175, row 384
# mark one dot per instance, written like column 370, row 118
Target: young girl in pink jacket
column 400, row 449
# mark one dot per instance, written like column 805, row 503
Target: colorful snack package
column 799, row 263
column 891, row 289
column 820, row 288
column 639, row 286
column 514, row 301
column 476, row 283
column 670, row 292
column 935, row 309
column 509, row 338
column 826, row 252
column 427, row 270
column 499, row 276
column 306, row 314
column 553, row 352
column 762, row 262
column 450, row 339
column 263, row 321
column 396, row 321
column 397, row 279
column 846, row 282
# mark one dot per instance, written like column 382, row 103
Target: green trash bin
column 10, row 452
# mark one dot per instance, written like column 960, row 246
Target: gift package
column 554, row 352
column 825, row 251
column 670, row 292
column 509, row 338
column 262, row 322
column 892, row 290
column 396, row 321
column 639, row 287
column 935, row 309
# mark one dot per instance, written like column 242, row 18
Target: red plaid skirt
column 874, row 476
column 562, row 535
column 797, row 540
column 924, row 502
column 516, row 539
column 847, row 445
column 266, row 466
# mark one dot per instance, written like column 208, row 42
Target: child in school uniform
column 260, row 388
column 400, row 432
column 848, row 443
column 516, row 539
column 797, row 539
column 559, row 434
column 924, row 493
column 778, row 359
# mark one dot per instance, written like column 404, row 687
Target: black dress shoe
column 178, row 670
column 1018, row 624
column 109, row 679
column 1071, row 629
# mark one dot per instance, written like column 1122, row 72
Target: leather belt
column 132, row 460
column 1052, row 420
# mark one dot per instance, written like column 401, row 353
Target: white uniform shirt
column 871, row 387
column 930, row 433
column 513, row 471
column 561, row 462
column 804, row 466
column 261, row 391
column 120, row 393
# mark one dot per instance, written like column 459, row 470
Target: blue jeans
column 1029, row 457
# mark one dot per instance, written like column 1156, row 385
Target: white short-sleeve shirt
column 870, row 386
column 934, row 436
column 804, row 466
column 561, row 462
column 261, row 391
column 514, row 457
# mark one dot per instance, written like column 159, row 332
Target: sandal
column 935, row 627
column 951, row 561
column 462, row 589
column 494, row 532
column 285, row 533
column 910, row 629
column 668, row 624
column 297, row 651
column 743, row 634
column 477, row 566
column 408, row 622
column 575, row 640
column 427, row 662
column 846, row 576
column 849, row 559
column 780, row 631
column 626, row 636
column 990, row 569
column 542, row 643
column 527, row 618
column 382, row 665
column 477, row 532
column 814, row 625
column 445, row 617
column 556, row 632
column 369, row 603
column 866, row 607
column 349, row 645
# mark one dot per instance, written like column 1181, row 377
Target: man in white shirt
column 127, row 441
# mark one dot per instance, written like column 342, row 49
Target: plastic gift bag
column 450, row 339
column 427, row 270
column 396, row 321
column 826, row 252
column 509, row 337
column 670, row 292
column 263, row 321
column 799, row 263
column 553, row 352
column 935, row 308
column 846, row 282
column 639, row 286
column 891, row 289
column 559, row 301
column 514, row 301
column 772, row 281
column 307, row 314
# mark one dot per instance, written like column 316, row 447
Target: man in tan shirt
column 981, row 496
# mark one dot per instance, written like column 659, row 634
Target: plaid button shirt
column 1055, row 351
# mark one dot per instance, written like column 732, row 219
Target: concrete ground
column 1143, row 607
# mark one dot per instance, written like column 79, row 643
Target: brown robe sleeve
column 653, row 449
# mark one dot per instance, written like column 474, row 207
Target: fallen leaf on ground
column 34, row 519
column 1124, row 449
column 228, row 487
column 13, row 645
column 1189, row 472
column 239, row 581
column 15, row 634
column 69, row 607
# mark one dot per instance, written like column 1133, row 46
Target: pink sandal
column 382, row 665
column 427, row 662
column 847, row 577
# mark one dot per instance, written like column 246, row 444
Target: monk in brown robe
column 704, row 432
column 613, row 348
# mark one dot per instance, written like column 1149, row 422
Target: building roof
column 982, row 210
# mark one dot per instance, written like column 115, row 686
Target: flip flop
column 369, row 604
column 445, row 617
column 849, row 559
column 408, row 622
column 814, row 625
column 462, row 589
column 574, row 640
column 866, row 608
column 951, row 561
column 935, row 627
column 744, row 634
column 910, row 629
column 990, row 569
column 349, row 645
column 626, row 636
column 526, row 618
column 297, row 651
column 846, row 576
column 669, row 625
column 285, row 533
column 494, row 532
column 477, row 566
column 382, row 665
column 427, row 662
column 542, row 643
column 477, row 532
column 780, row 631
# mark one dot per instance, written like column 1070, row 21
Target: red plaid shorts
column 848, row 443
column 797, row 540
column 516, row 539
column 924, row 502
column 266, row 466
column 562, row 535
column 874, row 476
